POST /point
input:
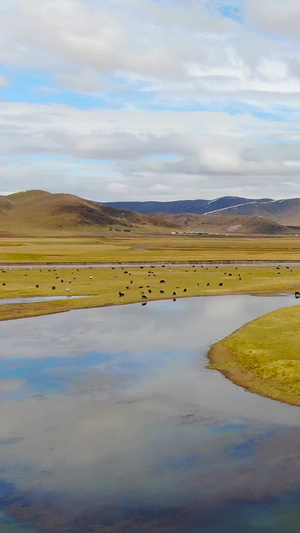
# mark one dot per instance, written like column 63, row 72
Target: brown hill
column 41, row 212
column 218, row 223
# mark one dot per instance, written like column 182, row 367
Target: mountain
column 220, row 224
column 186, row 206
column 285, row 212
column 45, row 213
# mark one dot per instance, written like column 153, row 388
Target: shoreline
column 272, row 377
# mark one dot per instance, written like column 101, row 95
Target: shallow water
column 32, row 299
column 109, row 417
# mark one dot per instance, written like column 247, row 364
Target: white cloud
column 111, row 154
column 276, row 16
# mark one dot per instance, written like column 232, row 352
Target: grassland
column 100, row 286
column 264, row 356
column 116, row 247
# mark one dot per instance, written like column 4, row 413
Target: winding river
column 110, row 420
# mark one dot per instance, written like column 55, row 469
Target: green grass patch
column 264, row 356
column 101, row 286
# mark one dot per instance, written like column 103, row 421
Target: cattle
column 53, row 287
column 144, row 303
column 61, row 280
column 162, row 281
column 297, row 295
column 144, row 297
column 3, row 284
column 174, row 299
column 121, row 294
column 220, row 284
column 91, row 277
column 162, row 292
column 230, row 275
column 184, row 290
column 197, row 284
column 149, row 291
column 37, row 286
column 207, row 284
column 174, row 293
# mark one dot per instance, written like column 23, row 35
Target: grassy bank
column 101, row 286
column 264, row 356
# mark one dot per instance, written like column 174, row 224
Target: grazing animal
column 91, row 277
column 141, row 287
column 174, row 299
column 61, row 280
column 144, row 303
column 162, row 292
column 220, row 284
column 184, row 290
column 229, row 274
column 121, row 294
column 207, row 284
column 150, row 291
column 53, row 287
column 197, row 284
column 174, row 293
column 37, row 286
column 144, row 296
column 297, row 295
column 162, row 281
column 3, row 284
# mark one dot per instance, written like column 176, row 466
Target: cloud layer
column 141, row 100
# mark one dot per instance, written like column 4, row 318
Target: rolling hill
column 220, row 224
column 42, row 212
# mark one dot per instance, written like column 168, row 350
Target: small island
column 264, row 356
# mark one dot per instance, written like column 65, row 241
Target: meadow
column 264, row 356
column 101, row 286
column 123, row 247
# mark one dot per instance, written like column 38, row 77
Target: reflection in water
column 113, row 412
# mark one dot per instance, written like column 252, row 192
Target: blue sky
column 150, row 100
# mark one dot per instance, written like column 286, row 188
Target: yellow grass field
column 147, row 248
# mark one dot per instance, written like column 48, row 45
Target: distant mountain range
column 286, row 212
column 199, row 207
column 42, row 213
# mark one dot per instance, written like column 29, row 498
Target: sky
column 120, row 100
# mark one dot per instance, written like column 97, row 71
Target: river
column 110, row 420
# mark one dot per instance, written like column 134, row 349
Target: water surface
column 110, row 419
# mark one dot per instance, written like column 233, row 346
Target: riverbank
column 264, row 356
column 99, row 286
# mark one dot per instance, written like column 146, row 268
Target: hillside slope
column 285, row 212
column 215, row 223
column 43, row 212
